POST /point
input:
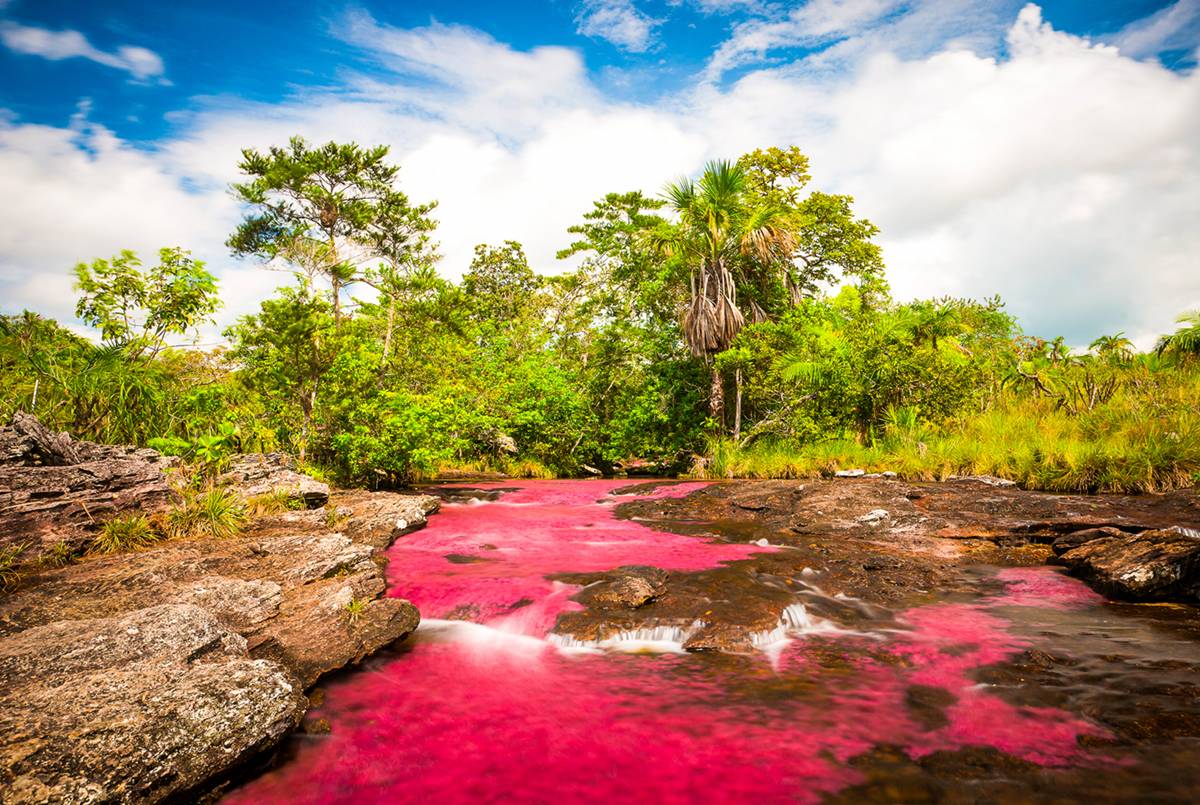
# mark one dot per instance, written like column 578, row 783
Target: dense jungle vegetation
column 739, row 324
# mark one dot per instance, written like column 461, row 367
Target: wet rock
column 874, row 517
column 1073, row 540
column 55, row 490
column 273, row 473
column 723, row 637
column 378, row 518
column 625, row 588
column 141, row 707
column 989, row 480
column 1151, row 566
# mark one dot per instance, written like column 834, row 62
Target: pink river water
column 484, row 708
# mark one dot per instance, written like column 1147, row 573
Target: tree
column 828, row 242
column 139, row 309
column 1185, row 341
column 400, row 236
column 316, row 207
column 1113, row 348
column 499, row 282
column 718, row 224
column 285, row 351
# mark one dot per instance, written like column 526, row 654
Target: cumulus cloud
column 1061, row 175
column 139, row 62
column 619, row 22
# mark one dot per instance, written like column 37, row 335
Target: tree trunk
column 337, row 303
column 387, row 337
column 737, row 405
column 716, row 398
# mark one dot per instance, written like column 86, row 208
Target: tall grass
column 1145, row 439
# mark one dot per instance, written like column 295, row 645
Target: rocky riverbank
column 158, row 673
column 879, row 543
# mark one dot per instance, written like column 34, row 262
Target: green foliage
column 727, row 287
column 124, row 533
column 10, row 557
column 216, row 512
column 1184, row 343
column 60, row 555
column 140, row 309
column 273, row 502
column 356, row 608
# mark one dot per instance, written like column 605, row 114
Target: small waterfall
column 656, row 639
column 793, row 621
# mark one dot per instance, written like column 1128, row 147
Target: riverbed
column 1013, row 683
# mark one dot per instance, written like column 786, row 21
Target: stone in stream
column 625, row 588
column 1151, row 566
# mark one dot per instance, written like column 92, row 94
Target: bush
column 128, row 532
column 217, row 513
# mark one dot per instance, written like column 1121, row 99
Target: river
column 1021, row 685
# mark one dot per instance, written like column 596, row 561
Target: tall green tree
column 285, row 351
column 315, row 207
column 829, row 243
column 140, row 309
column 499, row 282
column 718, row 224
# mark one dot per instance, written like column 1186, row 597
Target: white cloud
column 139, row 62
column 619, row 22
column 1063, row 176
column 1176, row 26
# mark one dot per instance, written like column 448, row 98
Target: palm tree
column 717, row 227
column 1184, row 342
column 1115, row 348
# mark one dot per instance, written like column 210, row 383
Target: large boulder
column 153, row 674
column 255, row 474
column 148, row 705
column 54, row 490
column 1151, row 566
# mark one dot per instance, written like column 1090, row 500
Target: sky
column 1046, row 153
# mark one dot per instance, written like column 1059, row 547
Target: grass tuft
column 128, row 532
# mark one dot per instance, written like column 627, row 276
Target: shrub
column 217, row 512
column 124, row 533
column 10, row 577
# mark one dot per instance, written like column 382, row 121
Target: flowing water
column 1031, row 688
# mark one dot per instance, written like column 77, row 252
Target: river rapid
column 1020, row 685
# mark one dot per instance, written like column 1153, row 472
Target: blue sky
column 266, row 51
column 1038, row 152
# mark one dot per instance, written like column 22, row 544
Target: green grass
column 127, row 532
column 273, row 502
column 1146, row 439
column 355, row 609
column 10, row 556
column 508, row 467
column 216, row 512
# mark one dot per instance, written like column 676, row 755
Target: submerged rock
column 1151, row 566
